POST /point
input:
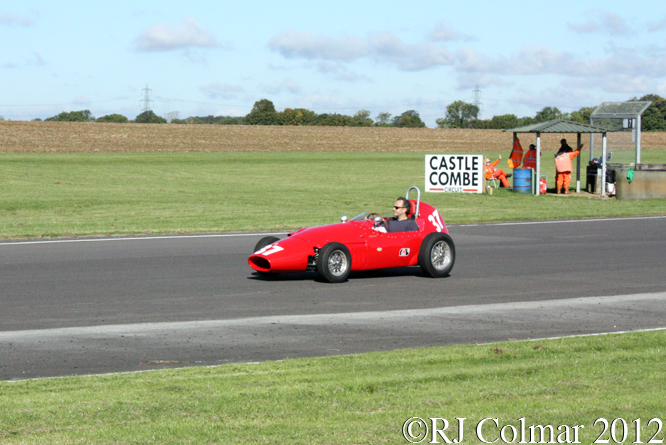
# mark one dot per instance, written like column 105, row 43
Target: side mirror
column 378, row 220
column 343, row 219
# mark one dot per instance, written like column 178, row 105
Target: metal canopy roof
column 626, row 110
column 558, row 126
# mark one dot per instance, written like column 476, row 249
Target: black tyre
column 334, row 262
column 437, row 255
column 265, row 241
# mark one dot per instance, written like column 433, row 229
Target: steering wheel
column 371, row 217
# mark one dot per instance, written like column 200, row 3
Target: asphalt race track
column 129, row 304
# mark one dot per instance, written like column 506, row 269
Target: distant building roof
column 558, row 126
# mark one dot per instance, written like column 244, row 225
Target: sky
column 219, row 58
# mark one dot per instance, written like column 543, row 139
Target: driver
column 400, row 222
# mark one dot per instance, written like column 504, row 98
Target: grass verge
column 355, row 399
column 83, row 194
column 348, row 399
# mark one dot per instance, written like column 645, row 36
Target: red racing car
column 335, row 250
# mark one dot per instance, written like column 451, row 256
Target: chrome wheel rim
column 440, row 255
column 337, row 263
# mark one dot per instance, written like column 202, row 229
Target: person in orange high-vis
column 530, row 158
column 563, row 167
column 492, row 172
column 516, row 155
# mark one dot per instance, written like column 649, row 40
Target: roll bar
column 418, row 199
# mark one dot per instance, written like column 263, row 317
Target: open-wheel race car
column 362, row 243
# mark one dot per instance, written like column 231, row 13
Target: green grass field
column 83, row 194
column 356, row 399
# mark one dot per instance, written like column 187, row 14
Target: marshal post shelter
column 564, row 127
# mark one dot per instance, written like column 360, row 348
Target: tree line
column 263, row 113
column 459, row 114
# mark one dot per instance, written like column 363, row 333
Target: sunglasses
column 396, row 207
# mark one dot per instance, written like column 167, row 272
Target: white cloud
column 320, row 102
column 467, row 81
column 625, row 84
column 221, row 90
column 194, row 56
column 288, row 85
column 329, row 68
column 292, row 44
column 81, row 101
column 442, row 32
column 161, row 37
column 610, row 84
column 340, row 72
column 621, row 70
column 230, row 112
column 602, row 22
column 656, row 51
column 657, row 26
column 471, row 61
column 564, row 98
column 9, row 18
column 542, row 60
column 384, row 47
column 277, row 67
column 36, row 60
column 536, row 60
column 427, row 56
column 585, row 28
column 629, row 61
column 615, row 24
column 661, row 89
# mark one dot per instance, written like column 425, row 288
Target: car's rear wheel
column 334, row 262
column 265, row 241
column 437, row 255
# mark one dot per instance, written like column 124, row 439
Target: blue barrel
column 522, row 180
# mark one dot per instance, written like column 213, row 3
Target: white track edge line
column 596, row 334
column 229, row 235
column 139, row 238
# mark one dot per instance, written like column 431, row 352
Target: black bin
column 590, row 186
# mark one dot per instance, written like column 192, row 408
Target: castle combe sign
column 454, row 173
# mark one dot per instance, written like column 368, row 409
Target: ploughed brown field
column 74, row 137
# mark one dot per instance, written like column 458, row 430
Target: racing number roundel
column 436, row 221
column 271, row 248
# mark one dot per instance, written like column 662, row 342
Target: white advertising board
column 454, row 173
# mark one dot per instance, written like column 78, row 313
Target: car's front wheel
column 437, row 255
column 334, row 262
column 265, row 241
